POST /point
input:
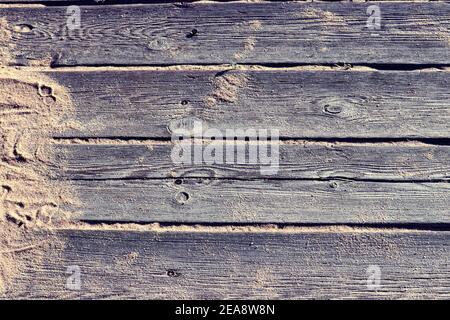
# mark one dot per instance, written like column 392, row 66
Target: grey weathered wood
column 207, row 263
column 146, row 103
column 262, row 201
column 68, row 1
column 237, row 265
column 106, row 2
column 299, row 159
column 103, row 2
column 284, row 33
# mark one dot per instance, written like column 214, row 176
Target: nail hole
column 182, row 197
column 178, row 181
column 184, row 102
column 173, row 273
column 192, row 33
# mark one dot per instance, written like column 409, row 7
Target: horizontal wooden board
column 298, row 103
column 236, row 265
column 262, row 201
column 296, row 160
column 102, row 2
column 211, row 33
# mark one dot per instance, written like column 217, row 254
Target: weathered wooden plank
column 261, row 201
column 296, row 160
column 103, row 2
column 298, row 103
column 236, row 265
column 211, row 33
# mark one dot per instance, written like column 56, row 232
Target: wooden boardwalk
column 362, row 182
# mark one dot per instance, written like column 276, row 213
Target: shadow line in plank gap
column 268, row 227
column 263, row 66
column 285, row 139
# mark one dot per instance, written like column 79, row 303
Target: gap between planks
column 243, row 67
column 281, row 141
column 254, row 228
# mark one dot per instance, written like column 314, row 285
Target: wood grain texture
column 297, row 160
column 262, row 201
column 354, row 178
column 104, row 2
column 202, row 265
column 211, row 33
column 312, row 104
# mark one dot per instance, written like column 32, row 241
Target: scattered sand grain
column 32, row 107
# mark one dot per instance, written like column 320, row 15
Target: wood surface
column 364, row 122
column 234, row 32
column 236, row 265
column 149, row 159
column 262, row 201
column 298, row 103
